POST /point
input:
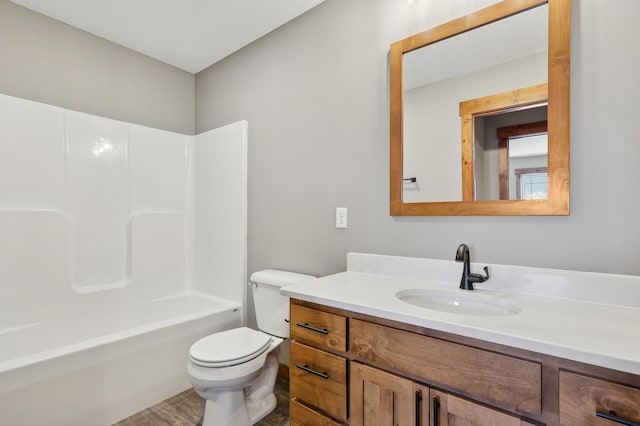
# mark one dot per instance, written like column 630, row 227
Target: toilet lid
column 229, row 347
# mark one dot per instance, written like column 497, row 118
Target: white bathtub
column 101, row 360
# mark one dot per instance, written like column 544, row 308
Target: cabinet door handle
column 317, row 330
column 436, row 412
column 305, row 367
column 611, row 415
column 418, row 403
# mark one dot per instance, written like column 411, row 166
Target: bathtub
column 98, row 361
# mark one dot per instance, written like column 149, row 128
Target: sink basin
column 465, row 302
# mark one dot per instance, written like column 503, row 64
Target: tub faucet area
column 468, row 278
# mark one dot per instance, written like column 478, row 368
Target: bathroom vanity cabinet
column 353, row 369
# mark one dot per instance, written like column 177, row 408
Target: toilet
column 235, row 370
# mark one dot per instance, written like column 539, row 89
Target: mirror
column 475, row 132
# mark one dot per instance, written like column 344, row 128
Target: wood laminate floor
column 187, row 409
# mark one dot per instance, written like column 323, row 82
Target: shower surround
column 120, row 245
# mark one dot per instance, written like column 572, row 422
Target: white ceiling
column 189, row 34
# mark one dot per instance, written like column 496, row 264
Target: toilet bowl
column 238, row 386
column 235, row 370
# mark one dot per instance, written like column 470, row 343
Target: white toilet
column 235, row 370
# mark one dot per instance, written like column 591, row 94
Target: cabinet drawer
column 511, row 382
column 302, row 415
column 319, row 328
column 582, row 398
column 319, row 379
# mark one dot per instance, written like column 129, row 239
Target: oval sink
column 463, row 302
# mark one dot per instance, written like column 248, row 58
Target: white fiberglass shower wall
column 109, row 230
column 89, row 204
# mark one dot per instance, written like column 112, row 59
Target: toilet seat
column 229, row 347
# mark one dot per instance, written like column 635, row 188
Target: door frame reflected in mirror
column 504, row 102
column 557, row 202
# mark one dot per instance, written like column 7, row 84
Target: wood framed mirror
column 461, row 172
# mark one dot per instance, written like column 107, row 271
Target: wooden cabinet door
column 450, row 410
column 379, row 398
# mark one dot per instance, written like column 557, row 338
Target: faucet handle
column 477, row 278
column 486, row 274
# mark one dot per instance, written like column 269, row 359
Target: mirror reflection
column 511, row 155
column 507, row 55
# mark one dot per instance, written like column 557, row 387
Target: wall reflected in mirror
column 506, row 55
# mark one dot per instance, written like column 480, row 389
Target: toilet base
column 247, row 406
column 228, row 408
column 258, row 411
column 232, row 409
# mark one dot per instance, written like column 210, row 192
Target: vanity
column 393, row 340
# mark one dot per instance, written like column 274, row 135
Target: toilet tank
column 272, row 309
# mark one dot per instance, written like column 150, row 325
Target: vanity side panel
column 508, row 381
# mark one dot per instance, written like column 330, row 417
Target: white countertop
column 550, row 321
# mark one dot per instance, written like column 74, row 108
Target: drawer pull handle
column 418, row 399
column 305, row 367
column 317, row 330
column 611, row 415
column 436, row 412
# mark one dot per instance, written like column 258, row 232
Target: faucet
column 466, row 283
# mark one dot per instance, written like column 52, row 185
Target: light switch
column 341, row 217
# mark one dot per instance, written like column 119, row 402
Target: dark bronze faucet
column 466, row 283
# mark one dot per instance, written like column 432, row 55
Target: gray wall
column 47, row 61
column 315, row 93
column 313, row 120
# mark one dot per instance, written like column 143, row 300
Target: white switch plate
column 341, row 217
